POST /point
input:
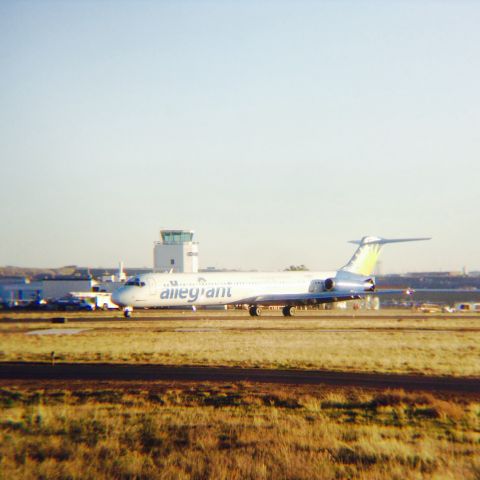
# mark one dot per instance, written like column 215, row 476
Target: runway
column 89, row 372
column 186, row 317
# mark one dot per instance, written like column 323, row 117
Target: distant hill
column 413, row 280
column 428, row 280
column 67, row 271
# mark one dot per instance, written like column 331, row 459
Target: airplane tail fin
column 365, row 257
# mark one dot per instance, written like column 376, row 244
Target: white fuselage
column 203, row 289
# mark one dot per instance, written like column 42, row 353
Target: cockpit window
column 135, row 282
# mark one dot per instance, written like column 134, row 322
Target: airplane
column 255, row 289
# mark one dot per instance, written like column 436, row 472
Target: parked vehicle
column 99, row 300
column 72, row 303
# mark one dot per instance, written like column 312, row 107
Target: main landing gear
column 288, row 311
column 255, row 311
column 127, row 312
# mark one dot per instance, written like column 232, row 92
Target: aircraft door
column 151, row 285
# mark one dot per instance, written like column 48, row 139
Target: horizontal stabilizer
column 365, row 258
column 383, row 241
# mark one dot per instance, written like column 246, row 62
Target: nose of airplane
column 118, row 297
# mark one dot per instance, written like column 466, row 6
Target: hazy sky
column 277, row 130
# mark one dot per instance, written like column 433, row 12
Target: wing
column 316, row 298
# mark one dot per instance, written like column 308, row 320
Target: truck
column 99, row 300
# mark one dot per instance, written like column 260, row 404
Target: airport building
column 18, row 292
column 24, row 292
column 176, row 252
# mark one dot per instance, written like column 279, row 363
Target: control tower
column 176, row 251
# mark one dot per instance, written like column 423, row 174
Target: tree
column 296, row 268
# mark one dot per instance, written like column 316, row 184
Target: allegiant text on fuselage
column 193, row 294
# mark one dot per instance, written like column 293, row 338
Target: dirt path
column 10, row 371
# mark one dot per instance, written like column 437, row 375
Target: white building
column 176, row 251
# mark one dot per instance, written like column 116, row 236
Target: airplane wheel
column 127, row 313
column 255, row 311
column 288, row 311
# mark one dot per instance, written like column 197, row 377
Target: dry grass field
column 234, row 431
column 67, row 430
column 393, row 342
